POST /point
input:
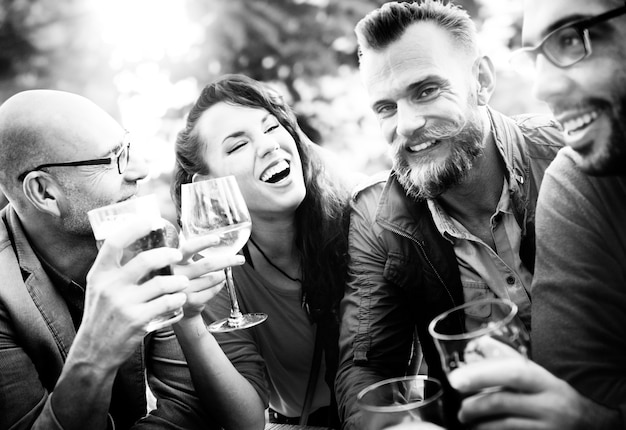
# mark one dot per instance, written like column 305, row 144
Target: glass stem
column 236, row 317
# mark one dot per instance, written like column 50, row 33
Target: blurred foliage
column 49, row 44
column 305, row 47
column 52, row 43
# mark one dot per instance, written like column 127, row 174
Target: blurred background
column 145, row 62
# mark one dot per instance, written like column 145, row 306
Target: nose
column 550, row 82
column 137, row 168
column 409, row 119
column 266, row 146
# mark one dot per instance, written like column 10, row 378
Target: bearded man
column 454, row 220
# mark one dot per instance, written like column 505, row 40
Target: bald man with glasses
column 577, row 52
column 73, row 347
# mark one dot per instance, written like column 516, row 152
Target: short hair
column 385, row 25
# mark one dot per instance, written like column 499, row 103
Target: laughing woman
column 295, row 258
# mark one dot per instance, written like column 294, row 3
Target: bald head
column 46, row 126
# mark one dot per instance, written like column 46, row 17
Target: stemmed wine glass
column 216, row 207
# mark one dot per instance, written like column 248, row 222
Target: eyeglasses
column 121, row 157
column 565, row 46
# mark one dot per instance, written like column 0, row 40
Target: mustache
column 435, row 132
column 564, row 106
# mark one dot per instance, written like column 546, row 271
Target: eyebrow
column 557, row 24
column 242, row 133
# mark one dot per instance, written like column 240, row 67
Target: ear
column 197, row 177
column 42, row 192
column 486, row 77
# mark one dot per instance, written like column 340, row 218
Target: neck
column 478, row 195
column 71, row 255
column 274, row 254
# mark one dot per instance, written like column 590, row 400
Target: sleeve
column 169, row 379
column 24, row 401
column 376, row 331
column 579, row 288
column 240, row 346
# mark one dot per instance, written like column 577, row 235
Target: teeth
column 580, row 122
column 422, row 146
column 275, row 169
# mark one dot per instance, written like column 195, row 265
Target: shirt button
column 510, row 280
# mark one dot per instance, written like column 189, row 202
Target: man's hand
column 117, row 307
column 532, row 397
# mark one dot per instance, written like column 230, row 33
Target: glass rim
column 476, row 333
column 404, row 407
column 207, row 179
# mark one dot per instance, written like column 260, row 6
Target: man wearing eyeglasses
column 72, row 319
column 577, row 49
column 579, row 292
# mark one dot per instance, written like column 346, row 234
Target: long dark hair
column 321, row 219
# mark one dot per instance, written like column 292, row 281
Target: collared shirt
column 484, row 271
column 72, row 292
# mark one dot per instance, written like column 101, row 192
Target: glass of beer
column 408, row 399
column 106, row 219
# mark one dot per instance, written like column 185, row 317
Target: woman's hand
column 206, row 275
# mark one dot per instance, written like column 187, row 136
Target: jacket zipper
column 421, row 247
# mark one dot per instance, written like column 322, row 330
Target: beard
column 613, row 160
column 433, row 177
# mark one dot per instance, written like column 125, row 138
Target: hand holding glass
column 216, row 207
column 401, row 400
column 464, row 334
column 105, row 219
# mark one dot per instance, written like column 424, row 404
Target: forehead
column 223, row 119
column 543, row 16
column 425, row 49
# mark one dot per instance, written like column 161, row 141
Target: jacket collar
column 400, row 214
column 42, row 292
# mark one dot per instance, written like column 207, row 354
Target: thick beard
column 430, row 180
column 614, row 160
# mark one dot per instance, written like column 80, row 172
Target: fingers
column 421, row 425
column 190, row 247
column 199, row 299
column 161, row 305
column 206, row 265
column 509, row 423
column 119, row 238
column 152, row 260
column 514, row 373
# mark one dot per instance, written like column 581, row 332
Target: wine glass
column 479, row 330
column 401, row 400
column 216, row 207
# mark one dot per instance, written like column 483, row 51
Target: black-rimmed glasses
column 565, row 46
column 121, row 157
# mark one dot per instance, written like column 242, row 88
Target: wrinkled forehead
column 543, row 16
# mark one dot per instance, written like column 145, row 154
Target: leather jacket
column 403, row 272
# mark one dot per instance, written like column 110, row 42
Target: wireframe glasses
column 565, row 46
column 121, row 157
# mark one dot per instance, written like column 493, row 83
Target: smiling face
column 252, row 145
column 46, row 126
column 589, row 97
column 423, row 90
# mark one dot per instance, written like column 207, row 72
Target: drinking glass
column 216, row 207
column 464, row 334
column 106, row 219
column 399, row 400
